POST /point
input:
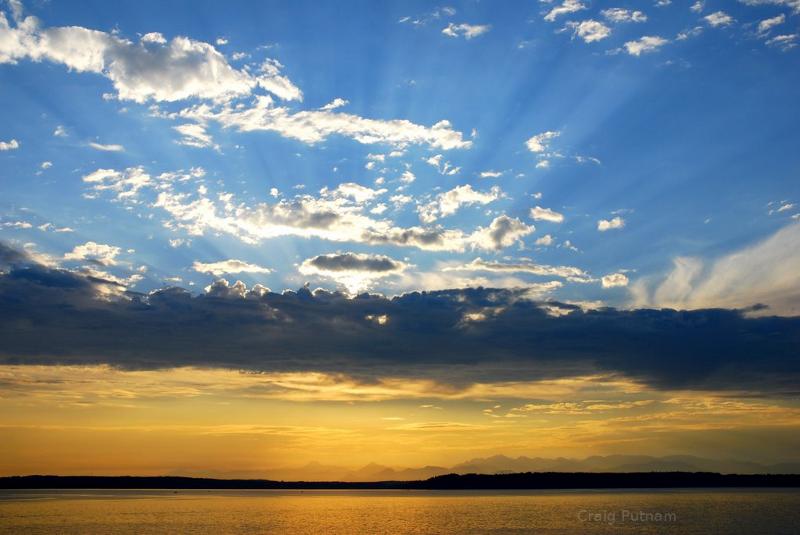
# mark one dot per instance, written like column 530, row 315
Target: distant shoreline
column 519, row 481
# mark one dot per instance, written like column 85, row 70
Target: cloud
column 545, row 240
column 491, row 174
column 60, row 131
column 335, row 104
column 194, row 135
column 719, row 18
column 436, row 14
column 767, row 273
column 341, row 214
column 467, row 31
column 125, row 184
column 17, row 224
column 568, row 6
column 353, row 270
column 106, row 148
column 153, row 68
column 767, row 24
column 46, row 165
column 570, row 273
column 614, row 280
column 546, row 214
column 156, row 69
column 589, row 30
column 503, row 232
column 606, row 224
column 224, row 267
column 53, row 316
column 98, row 253
column 784, row 42
column 698, row 6
column 645, row 44
column 444, row 168
column 448, row 202
column 793, row 4
column 9, row 145
column 540, row 142
column 314, row 126
column 616, row 14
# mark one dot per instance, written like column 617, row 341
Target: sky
column 413, row 232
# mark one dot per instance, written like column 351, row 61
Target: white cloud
column 9, row 145
column 491, row 174
column 540, row 142
column 314, row 126
column 407, row 177
column 568, row 6
column 719, row 18
column 350, row 190
column 793, row 4
column 570, row 273
column 647, row 43
column 162, row 70
column 46, row 165
column 448, row 202
column 96, row 252
column 17, row 224
column 378, row 209
column 335, row 104
column 615, row 223
column 784, row 207
column 767, row 272
column 689, row 32
column 125, row 184
column 194, row 135
column 784, row 42
column 467, row 31
column 589, row 30
column 545, row 241
column 270, row 79
column 618, row 15
column 338, row 214
column 444, row 168
column 767, row 24
column 106, row 148
column 546, row 214
column 614, row 280
column 228, row 266
column 698, row 6
column 60, row 131
column 152, row 69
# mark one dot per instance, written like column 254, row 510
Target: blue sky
column 676, row 125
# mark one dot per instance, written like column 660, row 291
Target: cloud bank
column 52, row 316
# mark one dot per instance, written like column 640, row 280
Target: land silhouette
column 527, row 480
column 501, row 464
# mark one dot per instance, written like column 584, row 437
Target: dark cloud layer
column 50, row 316
column 354, row 262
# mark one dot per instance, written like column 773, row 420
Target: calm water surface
column 347, row 512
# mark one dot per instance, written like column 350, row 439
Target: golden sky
column 192, row 421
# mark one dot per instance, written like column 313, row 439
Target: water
column 404, row 512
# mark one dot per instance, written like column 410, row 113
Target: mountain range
column 501, row 464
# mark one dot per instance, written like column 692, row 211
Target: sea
column 690, row 511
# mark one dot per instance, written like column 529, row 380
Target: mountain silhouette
column 501, row 464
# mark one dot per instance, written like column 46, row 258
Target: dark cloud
column 354, row 262
column 11, row 257
column 52, row 316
